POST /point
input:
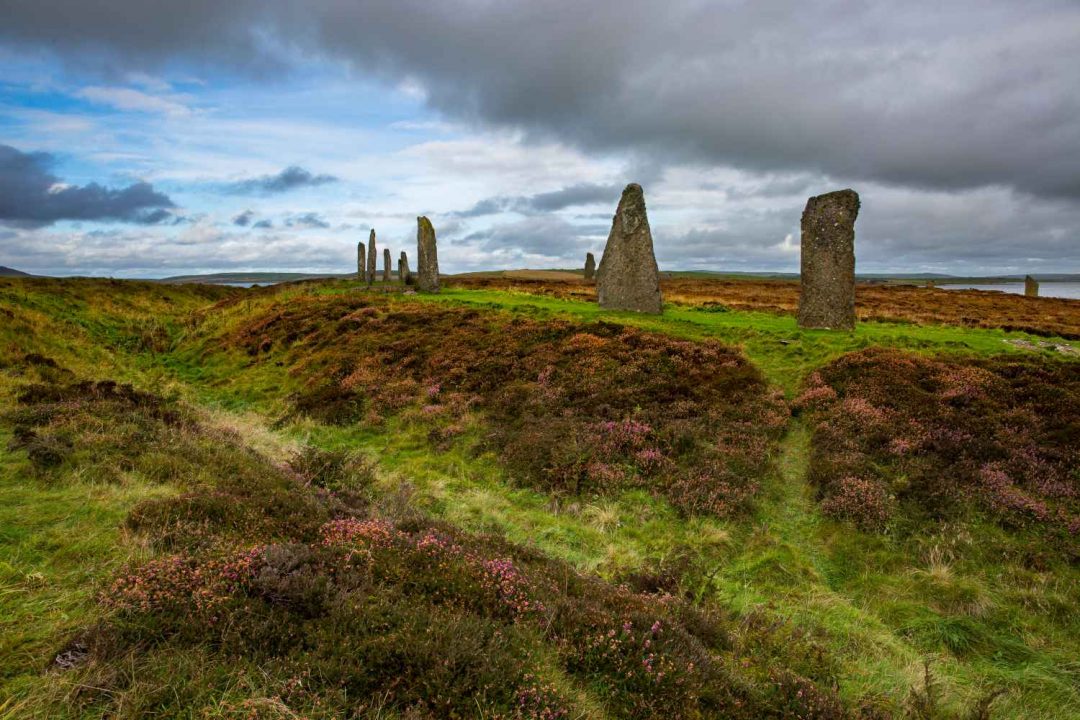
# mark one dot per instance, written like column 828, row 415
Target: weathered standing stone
column 827, row 292
column 628, row 278
column 1031, row 286
column 360, row 263
column 930, row 285
column 427, row 256
column 386, row 265
column 371, row 257
column 403, row 268
column 590, row 266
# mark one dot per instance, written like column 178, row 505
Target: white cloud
column 128, row 99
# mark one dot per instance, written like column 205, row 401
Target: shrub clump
column 424, row 618
column 895, row 430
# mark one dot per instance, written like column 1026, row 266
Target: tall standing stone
column 403, row 268
column 590, row 266
column 427, row 256
column 827, row 293
column 386, row 265
column 360, row 263
column 371, row 257
column 628, row 278
column 1031, row 286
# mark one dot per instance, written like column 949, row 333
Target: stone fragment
column 1031, row 286
column 827, row 279
column 427, row 256
column 386, row 265
column 590, row 266
column 403, row 268
column 360, row 263
column 628, row 278
column 371, row 257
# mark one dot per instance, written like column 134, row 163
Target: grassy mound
column 897, row 432
column 569, row 407
column 277, row 591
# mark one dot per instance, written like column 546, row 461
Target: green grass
column 58, row 541
column 881, row 603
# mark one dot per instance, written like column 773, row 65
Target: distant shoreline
column 263, row 278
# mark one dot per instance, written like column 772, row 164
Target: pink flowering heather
column 1000, row 434
column 181, row 581
column 351, row 531
column 502, row 578
column 859, row 499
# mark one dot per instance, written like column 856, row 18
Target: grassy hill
column 322, row 501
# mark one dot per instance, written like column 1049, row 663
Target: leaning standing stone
column 1031, row 286
column 827, row 280
column 628, row 278
column 427, row 257
column 386, row 265
column 371, row 257
column 590, row 266
column 360, row 264
column 403, row 268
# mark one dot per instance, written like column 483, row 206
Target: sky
column 148, row 138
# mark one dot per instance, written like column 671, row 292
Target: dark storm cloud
column 291, row 178
column 263, row 224
column 30, row 195
column 307, row 220
column 579, row 194
column 243, row 219
column 926, row 94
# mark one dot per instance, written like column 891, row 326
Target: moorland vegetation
column 316, row 500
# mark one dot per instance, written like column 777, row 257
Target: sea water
column 1069, row 290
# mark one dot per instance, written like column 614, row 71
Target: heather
column 569, row 408
column 896, row 433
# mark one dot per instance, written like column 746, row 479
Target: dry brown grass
column 889, row 303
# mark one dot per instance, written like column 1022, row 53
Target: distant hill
column 266, row 278
column 249, row 277
column 12, row 272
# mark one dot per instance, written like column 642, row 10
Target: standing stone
column 628, row 278
column 371, row 257
column 403, row 268
column 386, row 265
column 590, row 266
column 1031, row 286
column 930, row 285
column 827, row 292
column 427, row 256
column 360, row 264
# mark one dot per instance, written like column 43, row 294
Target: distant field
column 319, row 500
column 888, row 303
